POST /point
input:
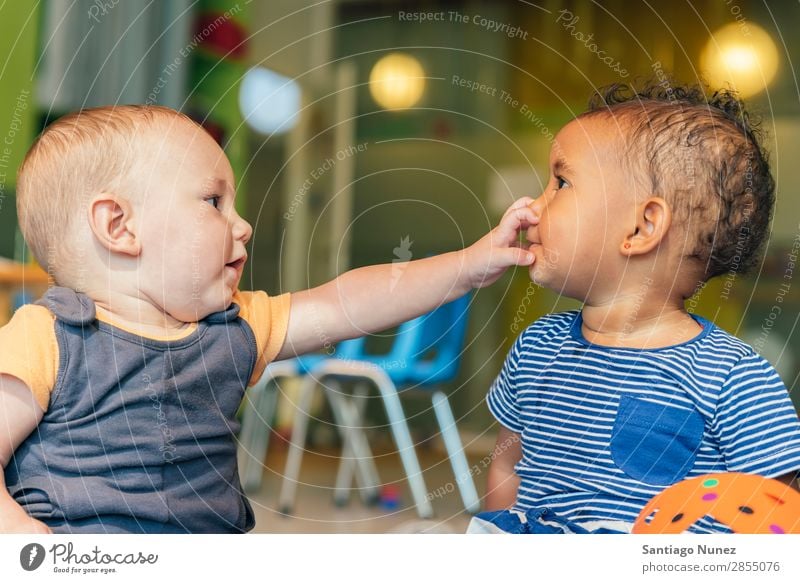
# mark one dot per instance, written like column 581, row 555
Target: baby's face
column 583, row 210
column 193, row 241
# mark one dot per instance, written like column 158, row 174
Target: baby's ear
column 110, row 217
column 653, row 219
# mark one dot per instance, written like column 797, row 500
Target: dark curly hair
column 702, row 154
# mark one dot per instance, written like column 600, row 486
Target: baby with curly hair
column 652, row 192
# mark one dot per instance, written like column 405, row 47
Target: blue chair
column 259, row 408
column 425, row 353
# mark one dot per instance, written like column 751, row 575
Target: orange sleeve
column 269, row 319
column 29, row 351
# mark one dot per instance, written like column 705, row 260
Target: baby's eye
column 214, row 201
column 561, row 183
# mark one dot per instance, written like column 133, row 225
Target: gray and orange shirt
column 139, row 432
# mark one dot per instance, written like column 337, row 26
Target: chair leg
column 397, row 423
column 346, row 472
column 258, row 412
column 359, row 404
column 405, row 446
column 356, row 455
column 344, row 476
column 291, row 473
column 455, row 451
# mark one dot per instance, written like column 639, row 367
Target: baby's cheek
column 545, row 229
column 557, row 238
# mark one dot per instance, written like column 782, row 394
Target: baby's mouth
column 238, row 264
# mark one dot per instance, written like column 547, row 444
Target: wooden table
column 19, row 276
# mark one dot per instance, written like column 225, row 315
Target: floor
column 315, row 512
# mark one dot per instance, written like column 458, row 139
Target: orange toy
column 746, row 503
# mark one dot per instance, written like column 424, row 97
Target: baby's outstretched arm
column 502, row 483
column 19, row 415
column 374, row 298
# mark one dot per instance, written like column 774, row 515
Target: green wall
column 19, row 25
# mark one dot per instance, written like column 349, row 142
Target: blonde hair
column 82, row 153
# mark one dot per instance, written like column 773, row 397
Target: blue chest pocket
column 655, row 444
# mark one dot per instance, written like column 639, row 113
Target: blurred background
column 369, row 132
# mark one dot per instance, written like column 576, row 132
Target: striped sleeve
column 502, row 397
column 755, row 423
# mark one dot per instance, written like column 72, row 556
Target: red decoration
column 220, row 34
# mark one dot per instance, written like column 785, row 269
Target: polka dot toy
column 746, row 503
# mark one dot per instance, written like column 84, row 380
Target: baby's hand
column 23, row 524
column 488, row 258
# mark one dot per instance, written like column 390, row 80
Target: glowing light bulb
column 397, row 81
column 743, row 56
column 269, row 102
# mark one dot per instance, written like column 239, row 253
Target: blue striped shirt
column 605, row 429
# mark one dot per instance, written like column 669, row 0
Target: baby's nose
column 537, row 206
column 242, row 230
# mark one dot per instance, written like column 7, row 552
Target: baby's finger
column 517, row 220
column 520, row 257
column 519, row 203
